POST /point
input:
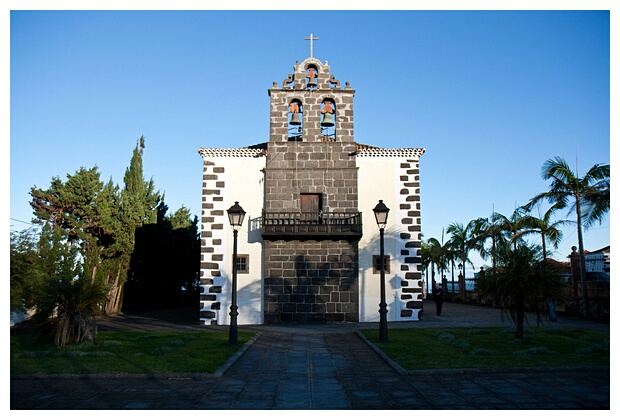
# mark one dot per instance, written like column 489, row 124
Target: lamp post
column 235, row 217
column 381, row 215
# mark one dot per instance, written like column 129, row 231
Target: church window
column 243, row 264
column 295, row 120
column 376, row 264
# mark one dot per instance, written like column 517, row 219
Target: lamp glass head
column 236, row 215
column 381, row 214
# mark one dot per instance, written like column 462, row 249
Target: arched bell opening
column 295, row 120
column 328, row 120
column 312, row 77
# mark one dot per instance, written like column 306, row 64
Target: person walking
column 438, row 298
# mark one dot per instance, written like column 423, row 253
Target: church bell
column 328, row 120
column 295, row 119
column 311, row 82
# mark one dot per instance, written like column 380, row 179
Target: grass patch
column 127, row 352
column 454, row 348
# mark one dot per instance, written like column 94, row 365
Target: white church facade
column 308, row 249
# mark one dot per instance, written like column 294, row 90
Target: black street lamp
column 381, row 215
column 235, row 217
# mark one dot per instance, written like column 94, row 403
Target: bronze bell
column 295, row 119
column 311, row 82
column 328, row 120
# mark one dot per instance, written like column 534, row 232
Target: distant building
column 562, row 268
column 598, row 261
column 309, row 246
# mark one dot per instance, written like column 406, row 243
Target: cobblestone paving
column 324, row 368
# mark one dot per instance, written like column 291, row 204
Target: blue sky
column 490, row 95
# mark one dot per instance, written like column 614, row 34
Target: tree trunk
column 94, row 273
column 92, row 260
column 582, row 262
column 464, row 287
column 493, row 257
column 452, row 270
column 444, row 284
column 118, row 299
column 520, row 308
column 113, row 306
column 119, row 293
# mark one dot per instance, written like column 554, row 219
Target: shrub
column 533, row 351
column 594, row 348
column 480, row 352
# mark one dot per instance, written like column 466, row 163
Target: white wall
column 243, row 178
column 375, row 182
column 379, row 179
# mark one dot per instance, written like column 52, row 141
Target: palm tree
column 485, row 229
column 522, row 278
column 546, row 229
column 462, row 239
column 588, row 197
column 67, row 302
column 425, row 256
column 451, row 256
column 435, row 256
column 445, row 256
column 512, row 228
column 596, row 204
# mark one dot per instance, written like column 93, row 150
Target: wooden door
column 310, row 206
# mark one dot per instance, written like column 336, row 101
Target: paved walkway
column 305, row 367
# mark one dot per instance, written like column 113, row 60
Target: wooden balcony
column 321, row 225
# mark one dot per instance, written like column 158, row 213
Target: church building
column 309, row 247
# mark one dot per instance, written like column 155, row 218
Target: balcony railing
column 300, row 225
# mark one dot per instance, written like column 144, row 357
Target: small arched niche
column 295, row 120
column 312, row 77
column 328, row 120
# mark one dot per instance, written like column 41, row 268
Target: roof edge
column 252, row 151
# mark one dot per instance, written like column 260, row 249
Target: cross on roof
column 311, row 39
